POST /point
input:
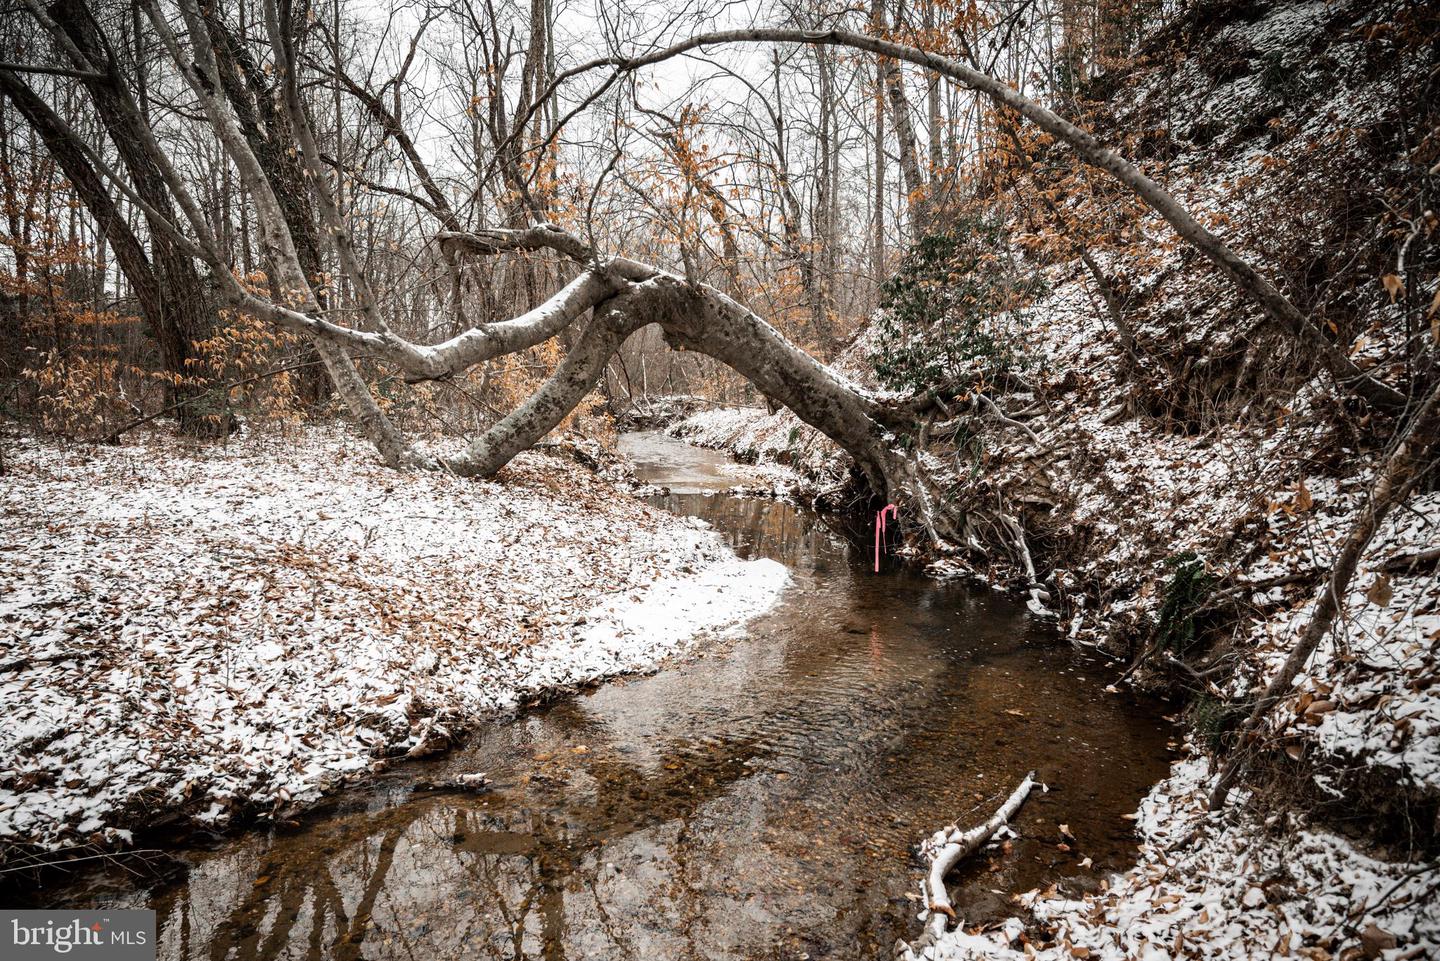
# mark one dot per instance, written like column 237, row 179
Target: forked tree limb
column 561, row 393
column 705, row 320
column 948, row 848
column 701, row 318
column 459, row 353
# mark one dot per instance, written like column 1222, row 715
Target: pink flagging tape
column 894, row 512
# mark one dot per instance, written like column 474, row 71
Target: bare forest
column 914, row 479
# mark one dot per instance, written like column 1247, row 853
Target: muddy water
column 758, row 802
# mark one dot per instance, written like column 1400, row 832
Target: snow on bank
column 1231, row 886
column 1256, row 881
column 215, row 630
column 662, row 617
column 790, row 455
column 1262, row 500
column 1256, row 504
column 1258, row 497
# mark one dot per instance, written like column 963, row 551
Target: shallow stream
column 759, row 801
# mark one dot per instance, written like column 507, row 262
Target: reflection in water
column 758, row 802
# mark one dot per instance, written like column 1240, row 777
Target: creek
column 758, row 799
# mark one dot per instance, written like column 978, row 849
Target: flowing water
column 760, row 801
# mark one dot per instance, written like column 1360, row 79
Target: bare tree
column 612, row 295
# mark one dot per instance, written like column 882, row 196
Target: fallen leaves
column 1380, row 592
column 1303, row 501
column 264, row 621
column 1375, row 940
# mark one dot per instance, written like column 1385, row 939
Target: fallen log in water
column 947, row 848
column 473, row 783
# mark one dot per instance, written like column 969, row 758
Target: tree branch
column 52, row 71
column 1396, row 478
column 1275, row 304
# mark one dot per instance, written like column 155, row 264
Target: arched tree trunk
column 698, row 318
column 576, row 376
column 705, row 320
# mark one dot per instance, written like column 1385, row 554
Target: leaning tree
column 612, row 296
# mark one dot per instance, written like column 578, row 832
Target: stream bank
column 1186, row 496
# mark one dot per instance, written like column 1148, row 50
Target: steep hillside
column 1184, row 474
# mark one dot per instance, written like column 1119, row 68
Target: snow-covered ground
column 1232, row 886
column 1256, row 880
column 787, row 457
column 215, row 631
column 1260, row 879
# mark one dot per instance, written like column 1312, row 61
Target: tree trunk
column 877, row 249
column 266, row 130
column 183, row 313
column 169, row 310
column 908, row 150
column 706, row 321
column 60, row 143
column 543, row 410
column 700, row 318
column 278, row 242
